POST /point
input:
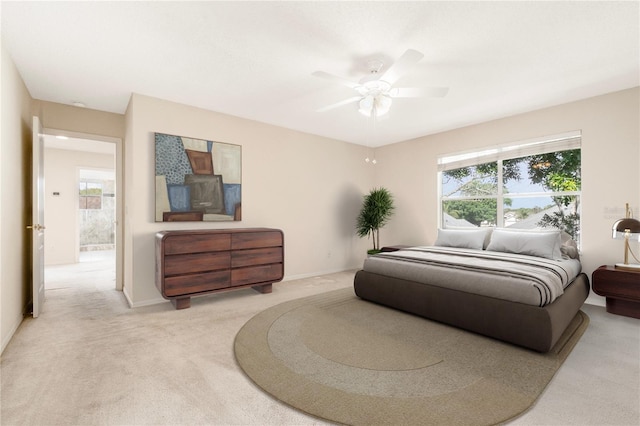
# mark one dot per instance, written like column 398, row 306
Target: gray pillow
column 569, row 252
column 472, row 238
column 568, row 247
column 533, row 243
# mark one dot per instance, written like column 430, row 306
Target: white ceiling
column 255, row 59
column 79, row 144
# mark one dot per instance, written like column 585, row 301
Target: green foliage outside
column 474, row 211
column 560, row 171
column 377, row 208
column 555, row 171
column 483, row 181
column 90, row 192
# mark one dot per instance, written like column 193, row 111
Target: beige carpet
column 346, row 360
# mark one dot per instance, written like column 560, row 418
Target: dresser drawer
column 260, row 256
column 196, row 243
column 199, row 262
column 248, row 240
column 196, row 283
column 257, row 274
column 192, row 263
column 614, row 282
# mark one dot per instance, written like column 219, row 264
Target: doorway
column 82, row 204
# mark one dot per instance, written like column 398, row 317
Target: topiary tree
column 377, row 208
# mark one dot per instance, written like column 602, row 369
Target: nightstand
column 621, row 289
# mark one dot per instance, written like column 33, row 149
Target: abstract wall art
column 197, row 180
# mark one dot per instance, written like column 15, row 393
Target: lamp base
column 629, row 266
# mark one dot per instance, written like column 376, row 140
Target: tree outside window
column 534, row 191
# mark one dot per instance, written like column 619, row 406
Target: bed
column 520, row 287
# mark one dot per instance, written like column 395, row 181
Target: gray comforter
column 518, row 278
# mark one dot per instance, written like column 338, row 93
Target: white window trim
column 542, row 145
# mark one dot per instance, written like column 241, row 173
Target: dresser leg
column 265, row 288
column 181, row 303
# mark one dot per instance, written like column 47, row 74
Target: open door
column 37, row 226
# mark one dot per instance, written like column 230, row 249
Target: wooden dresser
column 193, row 263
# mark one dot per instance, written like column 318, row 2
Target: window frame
column 85, row 198
column 554, row 143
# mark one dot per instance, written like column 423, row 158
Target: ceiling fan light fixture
column 383, row 103
column 380, row 104
column 366, row 106
column 376, row 89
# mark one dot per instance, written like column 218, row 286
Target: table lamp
column 627, row 229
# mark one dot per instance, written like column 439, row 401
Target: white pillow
column 462, row 238
column 486, row 229
column 533, row 243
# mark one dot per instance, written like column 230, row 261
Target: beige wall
column 15, row 213
column 79, row 120
column 610, row 126
column 308, row 186
column 61, row 212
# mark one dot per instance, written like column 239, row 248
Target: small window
column 90, row 195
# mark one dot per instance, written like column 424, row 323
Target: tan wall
column 308, row 186
column 15, row 201
column 61, row 212
column 79, row 120
column 610, row 126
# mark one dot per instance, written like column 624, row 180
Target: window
column 90, row 195
column 528, row 185
column 96, row 209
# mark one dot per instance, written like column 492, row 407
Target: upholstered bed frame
column 537, row 328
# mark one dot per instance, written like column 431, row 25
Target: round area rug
column 350, row 361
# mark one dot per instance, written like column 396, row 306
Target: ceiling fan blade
column 401, row 66
column 418, row 92
column 340, row 80
column 339, row 104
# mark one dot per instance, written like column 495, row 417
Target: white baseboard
column 147, row 302
column 126, row 296
column 317, row 274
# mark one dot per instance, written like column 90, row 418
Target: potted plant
column 377, row 208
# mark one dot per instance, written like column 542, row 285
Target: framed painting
column 197, row 180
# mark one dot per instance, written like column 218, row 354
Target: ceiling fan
column 376, row 91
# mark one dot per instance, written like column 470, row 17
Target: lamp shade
column 377, row 105
column 626, row 228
